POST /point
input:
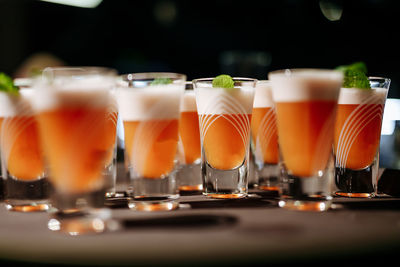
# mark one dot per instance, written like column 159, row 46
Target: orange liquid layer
column 226, row 142
column 190, row 136
column 151, row 146
column 306, row 135
column 360, row 142
column 74, row 143
column 22, row 149
column 265, row 135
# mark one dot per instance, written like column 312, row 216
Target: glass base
column 27, row 205
column 191, row 188
column 356, row 183
column 75, row 222
column 312, row 193
column 225, row 183
column 225, row 195
column 27, row 196
column 268, row 177
column 154, row 194
column 154, row 203
column 305, row 205
column 188, row 178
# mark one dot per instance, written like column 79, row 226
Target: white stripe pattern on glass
column 359, row 118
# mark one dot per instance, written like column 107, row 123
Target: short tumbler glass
column 149, row 106
column 306, row 104
column 357, row 138
column 26, row 185
column 224, row 119
column 72, row 109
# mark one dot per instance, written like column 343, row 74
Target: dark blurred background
column 205, row 38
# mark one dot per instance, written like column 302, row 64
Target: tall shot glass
column 72, row 107
column 189, row 148
column 149, row 106
column 306, row 104
column 357, row 137
column 265, row 138
column 25, row 177
column 224, row 119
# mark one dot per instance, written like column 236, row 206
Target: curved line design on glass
column 154, row 140
column 20, row 144
column 266, row 131
column 366, row 112
column 230, row 110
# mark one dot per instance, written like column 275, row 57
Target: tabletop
column 214, row 232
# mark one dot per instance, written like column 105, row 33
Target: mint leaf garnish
column 7, row 84
column 160, row 81
column 355, row 75
column 223, row 81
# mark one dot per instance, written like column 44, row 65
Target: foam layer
column 14, row 105
column 189, row 101
column 358, row 96
column 147, row 103
column 223, row 101
column 86, row 92
column 263, row 95
column 305, row 84
column 52, row 99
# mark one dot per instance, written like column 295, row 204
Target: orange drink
column 265, row 137
column 71, row 140
column 357, row 138
column 306, row 104
column 224, row 119
column 21, row 155
column 189, row 148
column 152, row 146
column 149, row 106
column 72, row 108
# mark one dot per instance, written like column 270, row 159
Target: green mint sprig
column 223, row 81
column 7, row 84
column 355, row 75
column 161, row 81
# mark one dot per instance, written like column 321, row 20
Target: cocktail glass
column 224, row 119
column 189, row 148
column 306, row 104
column 150, row 112
column 26, row 186
column 357, row 138
column 265, row 138
column 72, row 109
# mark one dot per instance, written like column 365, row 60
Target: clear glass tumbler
column 149, row 106
column 72, row 109
column 306, row 104
column 357, row 138
column 26, row 186
column 265, row 138
column 224, row 119
column 189, row 148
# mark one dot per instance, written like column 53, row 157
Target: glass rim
column 66, row 71
column 288, row 72
column 235, row 79
column 151, row 76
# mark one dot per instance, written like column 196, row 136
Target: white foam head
column 224, row 101
column 359, row 96
column 263, row 95
column 16, row 105
column 189, row 101
column 150, row 102
column 305, row 84
column 89, row 91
